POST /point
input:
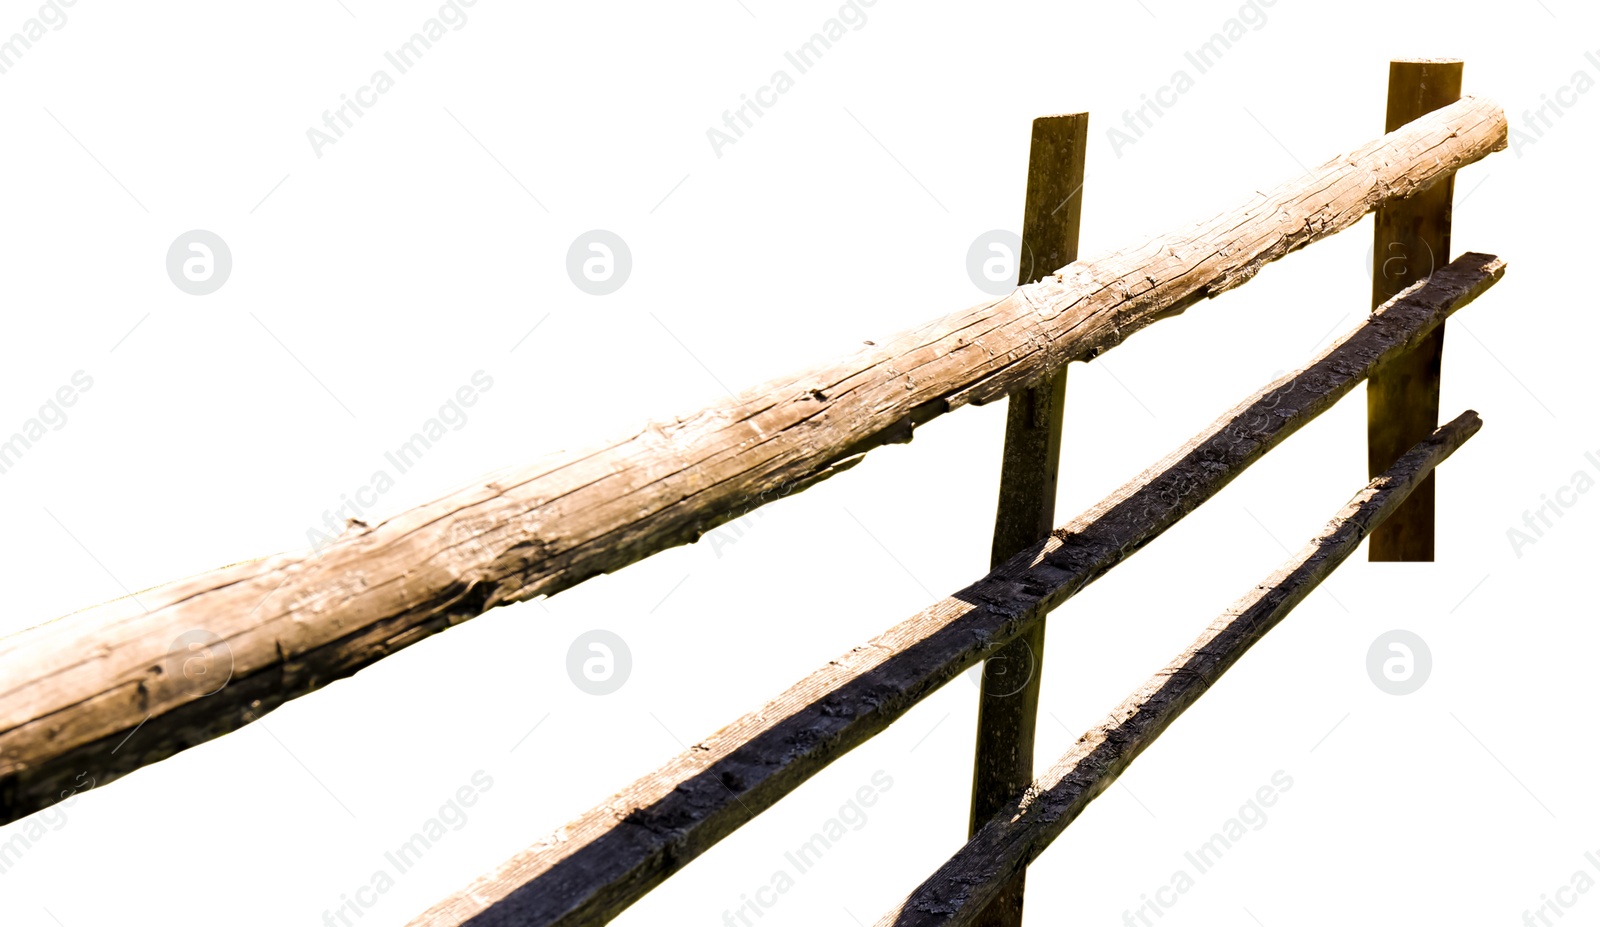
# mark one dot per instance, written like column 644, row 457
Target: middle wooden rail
column 611, row 856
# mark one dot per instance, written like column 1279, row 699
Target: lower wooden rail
column 611, row 856
column 957, row 893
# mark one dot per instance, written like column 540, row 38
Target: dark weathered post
column 1009, row 702
column 1412, row 238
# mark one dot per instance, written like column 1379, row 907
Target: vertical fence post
column 1009, row 701
column 1412, row 237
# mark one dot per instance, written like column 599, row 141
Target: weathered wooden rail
column 108, row 677
column 611, row 856
column 1020, row 831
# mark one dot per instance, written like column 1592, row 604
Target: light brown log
column 100, row 692
column 1008, row 698
column 1410, row 239
column 955, row 895
column 590, row 870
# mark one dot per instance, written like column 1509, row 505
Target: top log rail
column 104, row 691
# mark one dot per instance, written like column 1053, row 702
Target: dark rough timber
column 594, row 867
column 955, row 895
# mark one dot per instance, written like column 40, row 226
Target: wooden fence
column 104, row 690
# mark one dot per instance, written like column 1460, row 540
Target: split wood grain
column 104, row 691
column 594, row 867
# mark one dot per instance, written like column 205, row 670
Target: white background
column 370, row 283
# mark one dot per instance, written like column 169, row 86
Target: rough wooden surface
column 1410, row 238
column 590, row 870
column 955, row 894
column 101, row 691
column 1008, row 698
